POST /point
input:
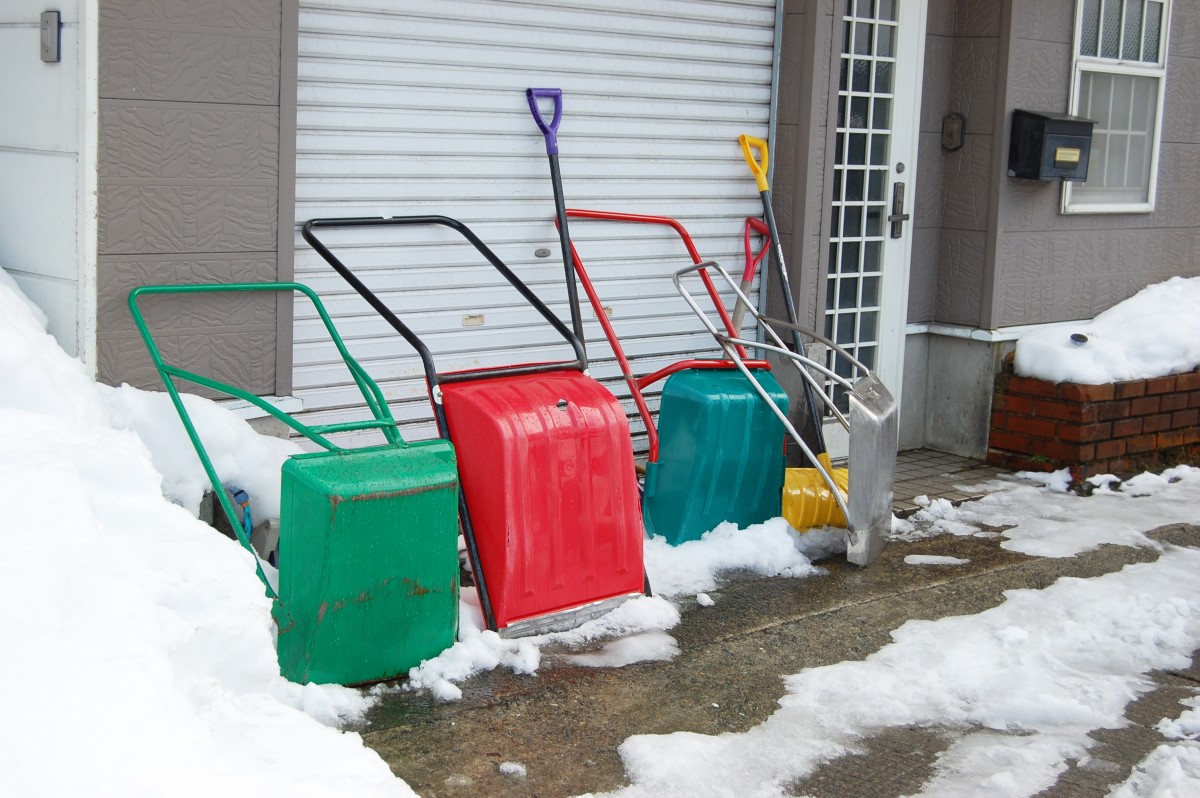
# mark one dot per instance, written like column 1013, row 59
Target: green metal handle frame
column 168, row 373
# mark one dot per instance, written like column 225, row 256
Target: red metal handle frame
column 636, row 385
column 650, row 379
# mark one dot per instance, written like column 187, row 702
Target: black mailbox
column 1049, row 146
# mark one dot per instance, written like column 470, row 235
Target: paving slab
column 564, row 723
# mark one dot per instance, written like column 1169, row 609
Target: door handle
column 898, row 217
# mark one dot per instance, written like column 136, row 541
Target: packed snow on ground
column 1154, row 333
column 934, row 559
column 1038, row 514
column 1019, row 686
column 138, row 644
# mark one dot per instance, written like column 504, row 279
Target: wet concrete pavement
column 564, row 724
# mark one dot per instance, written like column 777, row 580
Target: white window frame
column 1114, row 66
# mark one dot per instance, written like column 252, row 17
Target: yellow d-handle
column 759, row 163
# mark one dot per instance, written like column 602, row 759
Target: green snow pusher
column 368, row 548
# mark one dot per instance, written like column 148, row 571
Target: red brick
column 1032, row 387
column 1185, row 418
column 1107, row 449
column 1033, row 427
column 1126, row 427
column 1066, row 411
column 1095, row 467
column 1156, row 422
column 1160, row 385
column 1140, row 443
column 1194, row 399
column 1191, row 436
column 1109, row 411
column 1083, row 433
column 1188, row 382
column 1173, row 401
column 1074, row 392
column 1019, row 404
column 1018, row 462
column 1008, row 441
column 1129, row 390
column 1144, row 406
column 1067, row 452
column 1169, row 440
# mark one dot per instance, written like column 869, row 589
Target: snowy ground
column 139, row 644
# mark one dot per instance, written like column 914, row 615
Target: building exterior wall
column 47, row 167
column 954, row 208
column 1051, row 267
column 191, row 184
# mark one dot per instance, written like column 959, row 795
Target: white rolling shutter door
column 419, row 108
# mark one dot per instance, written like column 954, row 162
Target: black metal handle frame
column 432, row 377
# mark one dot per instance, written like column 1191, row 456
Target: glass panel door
column 874, row 159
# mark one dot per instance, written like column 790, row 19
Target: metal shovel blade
column 874, row 429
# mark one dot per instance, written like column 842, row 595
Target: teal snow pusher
column 367, row 583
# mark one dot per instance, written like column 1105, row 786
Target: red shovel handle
column 755, row 225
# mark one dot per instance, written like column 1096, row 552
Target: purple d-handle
column 550, row 131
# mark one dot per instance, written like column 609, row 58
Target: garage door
column 419, row 108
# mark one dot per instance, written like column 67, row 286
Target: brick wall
column 1118, row 428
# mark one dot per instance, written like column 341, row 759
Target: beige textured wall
column 189, row 183
column 800, row 152
column 954, row 210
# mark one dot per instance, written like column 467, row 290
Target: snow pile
column 639, row 625
column 479, row 650
column 140, row 643
column 1021, row 684
column 1154, row 333
column 645, row 647
column 241, row 457
column 1186, row 726
column 1170, row 769
column 768, row 549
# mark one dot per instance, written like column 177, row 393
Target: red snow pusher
column 549, row 502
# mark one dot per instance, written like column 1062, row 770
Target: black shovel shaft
column 790, row 305
column 550, row 133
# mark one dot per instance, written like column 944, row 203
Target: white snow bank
column 1021, row 685
column 1154, row 333
column 138, row 643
